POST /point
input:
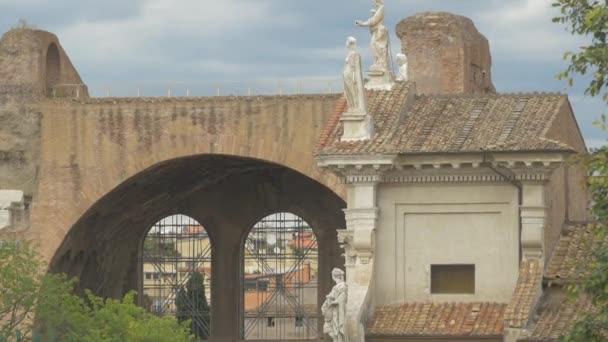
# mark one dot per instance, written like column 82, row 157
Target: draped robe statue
column 353, row 79
column 402, row 61
column 380, row 38
column 334, row 308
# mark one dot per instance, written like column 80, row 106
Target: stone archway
column 175, row 272
column 225, row 194
column 280, row 280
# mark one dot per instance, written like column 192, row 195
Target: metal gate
column 280, row 280
column 176, row 270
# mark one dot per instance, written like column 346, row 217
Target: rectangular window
column 148, row 275
column 270, row 322
column 453, row 279
column 299, row 321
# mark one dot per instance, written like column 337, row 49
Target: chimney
column 446, row 54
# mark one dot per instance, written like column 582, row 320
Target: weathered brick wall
column 446, row 54
column 23, row 53
column 89, row 148
column 20, row 126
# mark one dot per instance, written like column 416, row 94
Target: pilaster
column 358, row 242
column 532, row 215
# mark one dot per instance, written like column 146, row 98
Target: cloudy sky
column 281, row 44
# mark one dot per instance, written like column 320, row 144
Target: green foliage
column 60, row 312
column 69, row 317
column 158, row 248
column 20, row 278
column 589, row 18
column 191, row 304
column 62, row 315
column 594, row 325
column 123, row 320
column 181, row 305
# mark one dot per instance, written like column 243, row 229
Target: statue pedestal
column 357, row 126
column 379, row 80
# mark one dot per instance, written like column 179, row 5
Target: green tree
column 181, row 305
column 60, row 313
column 589, row 18
column 194, row 306
column 28, row 296
column 20, row 279
column 65, row 316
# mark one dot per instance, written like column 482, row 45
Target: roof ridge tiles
column 491, row 95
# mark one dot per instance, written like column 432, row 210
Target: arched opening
column 53, row 68
column 280, row 280
column 176, row 272
column 227, row 195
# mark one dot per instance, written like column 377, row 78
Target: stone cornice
column 444, row 168
column 479, row 174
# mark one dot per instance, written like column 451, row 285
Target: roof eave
column 437, row 337
column 355, row 159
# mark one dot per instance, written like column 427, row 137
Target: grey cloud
column 206, row 42
column 53, row 15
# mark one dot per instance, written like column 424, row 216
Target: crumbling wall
column 446, row 54
column 20, row 127
column 23, row 62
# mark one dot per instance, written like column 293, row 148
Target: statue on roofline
column 334, row 308
column 402, row 61
column 353, row 78
column 379, row 43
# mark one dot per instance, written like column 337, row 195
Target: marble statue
column 334, row 308
column 380, row 38
column 402, row 61
column 353, row 78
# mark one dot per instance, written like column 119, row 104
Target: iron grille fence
column 280, row 280
column 176, row 271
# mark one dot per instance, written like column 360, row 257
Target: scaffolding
column 279, row 281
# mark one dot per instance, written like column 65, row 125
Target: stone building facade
column 456, row 204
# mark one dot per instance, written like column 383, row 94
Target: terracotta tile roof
column 405, row 123
column 332, row 124
column 526, row 294
column 438, row 319
column 571, row 254
column 556, row 312
column 555, row 315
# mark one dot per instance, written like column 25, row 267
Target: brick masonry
column 446, row 54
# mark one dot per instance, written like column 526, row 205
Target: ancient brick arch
column 88, row 149
column 226, row 194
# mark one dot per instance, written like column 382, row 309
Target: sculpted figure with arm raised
column 380, row 37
